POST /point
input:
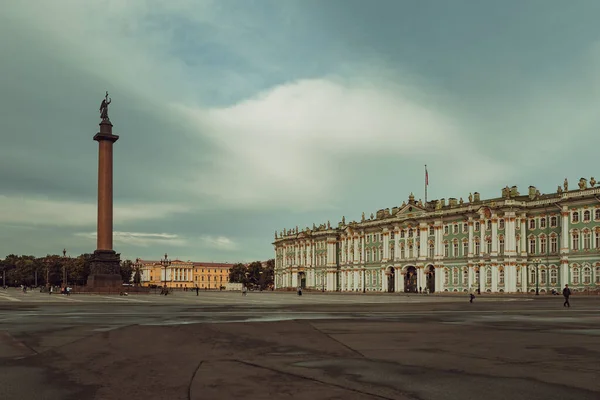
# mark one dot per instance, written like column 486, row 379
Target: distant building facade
column 182, row 274
column 513, row 243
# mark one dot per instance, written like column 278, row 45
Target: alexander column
column 105, row 263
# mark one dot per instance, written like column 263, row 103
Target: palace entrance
column 391, row 274
column 410, row 280
column 430, row 278
column 302, row 280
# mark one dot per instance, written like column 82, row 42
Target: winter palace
column 513, row 243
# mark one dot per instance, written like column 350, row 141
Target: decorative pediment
column 409, row 209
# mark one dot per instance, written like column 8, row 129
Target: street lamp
column 537, row 262
column 64, row 267
column 165, row 263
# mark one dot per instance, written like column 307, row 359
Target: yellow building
column 184, row 274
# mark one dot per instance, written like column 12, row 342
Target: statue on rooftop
column 470, row 197
column 559, row 190
column 592, row 182
column 566, row 185
column 363, row 217
column 343, row 220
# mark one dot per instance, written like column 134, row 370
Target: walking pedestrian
column 566, row 294
column 197, row 290
column 472, row 297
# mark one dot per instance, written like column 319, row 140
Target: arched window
column 519, row 279
column 455, row 280
column 501, row 245
column 532, row 223
column 446, row 249
column 587, row 275
column 575, row 240
column 587, row 240
column 575, row 217
column 543, row 244
column 501, row 277
column 477, row 226
column 543, row 223
column 488, row 276
column 446, row 277
column 554, row 244
column 431, row 231
column 532, row 275
column 531, row 245
column 465, row 276
column 597, row 275
column 518, row 243
column 543, row 276
column 553, row 276
column 489, row 225
column 402, row 252
column 553, row 222
column 587, row 216
column 488, row 245
column 501, row 224
column 431, row 250
column 465, row 247
column 410, row 232
column 455, row 248
column 477, row 247
column 597, row 214
column 575, row 276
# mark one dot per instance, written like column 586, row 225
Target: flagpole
column 426, row 179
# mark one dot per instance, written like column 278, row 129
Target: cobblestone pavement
column 278, row 345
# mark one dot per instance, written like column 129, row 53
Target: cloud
column 141, row 239
column 287, row 146
column 40, row 211
column 218, row 242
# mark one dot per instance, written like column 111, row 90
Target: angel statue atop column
column 104, row 108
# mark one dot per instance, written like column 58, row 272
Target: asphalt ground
column 222, row 345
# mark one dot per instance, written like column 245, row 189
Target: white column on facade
column 482, row 244
column 423, row 240
column 494, row 235
column 384, row 282
column 386, row 243
column 483, row 277
column 495, row 273
column 400, row 285
column 510, row 277
column 471, row 237
column 564, row 246
column 471, row 277
column 356, row 241
column 396, row 243
column 510, row 246
column 363, row 250
column 439, row 279
column 523, row 244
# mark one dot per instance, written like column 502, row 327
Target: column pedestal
column 105, row 270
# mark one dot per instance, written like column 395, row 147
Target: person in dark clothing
column 472, row 296
column 197, row 290
column 566, row 294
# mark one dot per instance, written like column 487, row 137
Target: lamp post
column 537, row 262
column 137, row 268
column 64, row 268
column 47, row 262
column 364, row 283
column 165, row 263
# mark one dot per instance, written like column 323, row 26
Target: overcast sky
column 241, row 117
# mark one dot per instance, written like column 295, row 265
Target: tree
column 126, row 270
column 254, row 272
column 237, row 273
column 268, row 274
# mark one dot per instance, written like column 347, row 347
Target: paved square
column 221, row 345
